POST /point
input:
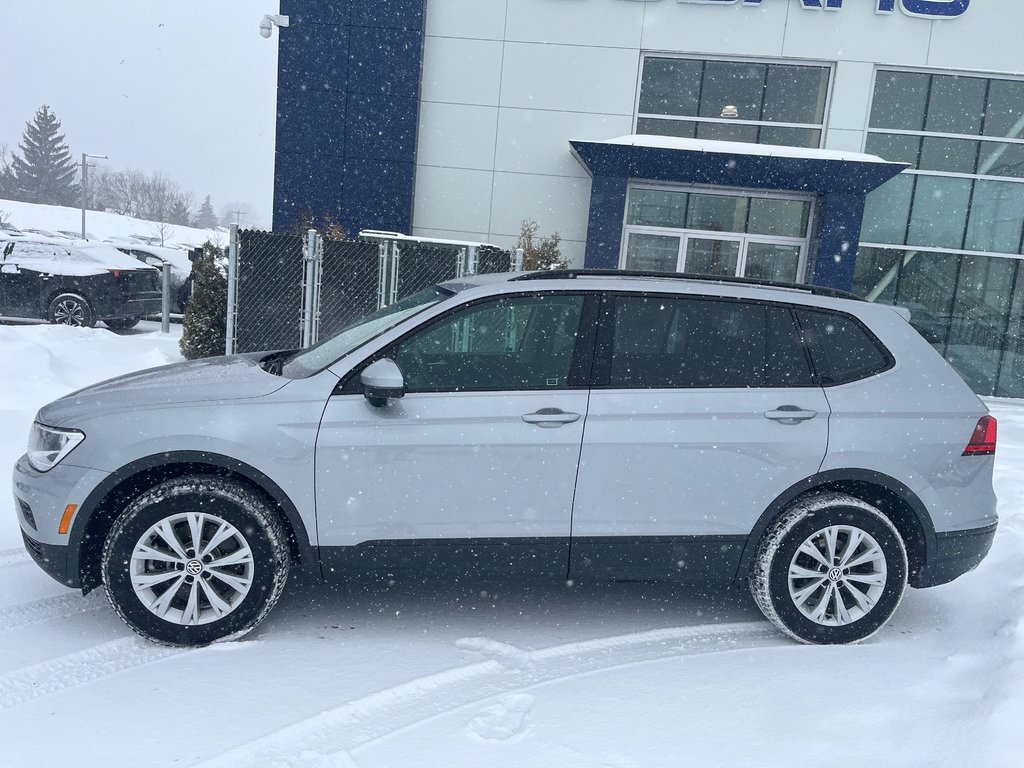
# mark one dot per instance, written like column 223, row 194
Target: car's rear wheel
column 71, row 309
column 195, row 560
column 121, row 323
column 832, row 569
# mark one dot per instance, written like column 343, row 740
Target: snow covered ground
column 103, row 225
column 455, row 674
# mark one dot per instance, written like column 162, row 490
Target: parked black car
column 75, row 284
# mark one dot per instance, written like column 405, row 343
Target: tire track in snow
column 326, row 738
column 53, row 675
column 59, row 607
column 13, row 557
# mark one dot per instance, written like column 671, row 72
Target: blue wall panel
column 347, row 112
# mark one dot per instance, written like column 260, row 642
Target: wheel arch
column 892, row 498
column 98, row 512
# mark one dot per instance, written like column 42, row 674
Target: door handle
column 789, row 414
column 551, row 417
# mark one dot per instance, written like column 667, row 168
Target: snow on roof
column 742, row 148
column 64, row 258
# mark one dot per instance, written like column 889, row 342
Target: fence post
column 307, row 293
column 517, row 264
column 165, row 297
column 318, row 271
column 382, row 274
column 396, row 255
column 229, row 335
column 473, row 257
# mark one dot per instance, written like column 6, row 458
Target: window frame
column 580, row 367
column 827, row 107
column 890, row 360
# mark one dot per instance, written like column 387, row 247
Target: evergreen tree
column 206, row 218
column 180, row 213
column 45, row 172
column 204, row 328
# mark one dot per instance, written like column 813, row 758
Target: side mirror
column 382, row 381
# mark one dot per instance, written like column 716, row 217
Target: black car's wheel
column 832, row 569
column 71, row 309
column 121, row 323
column 195, row 560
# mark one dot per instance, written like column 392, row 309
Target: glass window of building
column 756, row 102
column 945, row 237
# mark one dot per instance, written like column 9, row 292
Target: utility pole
column 85, row 184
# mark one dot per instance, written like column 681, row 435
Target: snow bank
column 44, row 362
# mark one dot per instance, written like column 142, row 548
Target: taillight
column 983, row 441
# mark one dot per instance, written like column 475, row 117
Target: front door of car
column 703, row 411
column 478, row 459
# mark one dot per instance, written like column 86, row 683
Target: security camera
column 270, row 21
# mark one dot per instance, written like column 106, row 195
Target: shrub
column 205, row 326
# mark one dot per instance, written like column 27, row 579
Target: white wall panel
column 570, row 78
column 537, row 141
column 990, row 36
column 452, row 198
column 480, row 19
column 614, row 23
column 856, row 33
column 726, row 30
column 457, row 135
column 556, row 203
column 461, row 71
column 851, row 95
column 844, row 141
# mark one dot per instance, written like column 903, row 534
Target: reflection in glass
column 894, row 147
column 652, row 253
column 650, row 126
column 927, row 286
column 950, row 155
column 956, row 104
column 876, row 273
column 656, row 208
column 768, row 261
column 900, row 100
column 887, row 210
column 939, row 213
column 1011, row 366
column 997, row 214
column 738, row 83
column 717, row 213
column 670, row 86
column 795, row 94
column 978, row 321
column 785, row 218
column 705, row 256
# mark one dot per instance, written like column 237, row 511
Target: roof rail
column 571, row 274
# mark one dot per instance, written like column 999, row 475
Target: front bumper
column 40, row 500
column 52, row 558
column 956, row 553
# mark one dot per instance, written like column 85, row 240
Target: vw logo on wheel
column 193, row 567
column 833, row 575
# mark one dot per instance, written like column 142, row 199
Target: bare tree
column 164, row 231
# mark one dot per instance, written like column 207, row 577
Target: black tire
column 71, row 309
column 854, row 603
column 220, row 501
column 122, row 323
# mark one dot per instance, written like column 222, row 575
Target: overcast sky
column 187, row 87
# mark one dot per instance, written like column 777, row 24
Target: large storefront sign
column 924, row 9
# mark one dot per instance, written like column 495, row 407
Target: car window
column 842, row 349
column 682, row 342
column 512, row 343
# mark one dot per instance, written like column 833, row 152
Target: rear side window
column 672, row 342
column 843, row 350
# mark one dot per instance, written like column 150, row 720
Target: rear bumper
column 956, row 553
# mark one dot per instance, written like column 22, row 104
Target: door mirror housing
column 382, row 381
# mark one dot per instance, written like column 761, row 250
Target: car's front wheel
column 831, row 569
column 195, row 560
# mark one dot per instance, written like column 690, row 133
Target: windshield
column 316, row 358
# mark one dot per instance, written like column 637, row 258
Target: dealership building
column 868, row 145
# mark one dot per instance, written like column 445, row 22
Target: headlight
column 48, row 445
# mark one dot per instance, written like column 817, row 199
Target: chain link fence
column 287, row 291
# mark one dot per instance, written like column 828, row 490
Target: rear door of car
column 20, row 288
column 703, row 410
column 478, row 460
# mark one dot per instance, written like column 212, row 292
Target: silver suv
column 563, row 424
